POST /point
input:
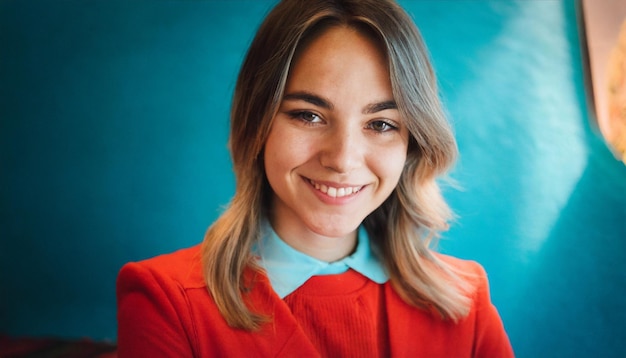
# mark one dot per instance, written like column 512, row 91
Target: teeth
column 335, row 192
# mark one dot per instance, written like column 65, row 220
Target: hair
column 405, row 226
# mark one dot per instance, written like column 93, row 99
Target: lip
column 332, row 192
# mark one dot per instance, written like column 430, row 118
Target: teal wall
column 113, row 128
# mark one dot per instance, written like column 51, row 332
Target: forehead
column 322, row 38
column 340, row 56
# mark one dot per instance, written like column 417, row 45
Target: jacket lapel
column 282, row 336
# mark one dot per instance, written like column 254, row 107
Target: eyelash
column 388, row 126
column 301, row 116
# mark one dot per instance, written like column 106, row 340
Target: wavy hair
column 405, row 225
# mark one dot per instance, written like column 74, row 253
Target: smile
column 336, row 192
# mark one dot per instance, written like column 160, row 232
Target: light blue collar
column 288, row 269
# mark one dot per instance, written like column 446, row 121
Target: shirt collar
column 288, row 269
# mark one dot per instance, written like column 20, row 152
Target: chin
column 337, row 231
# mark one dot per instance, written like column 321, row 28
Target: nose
column 342, row 150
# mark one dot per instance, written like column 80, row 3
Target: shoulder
column 461, row 266
column 473, row 280
column 471, row 272
column 153, row 311
column 490, row 337
column 183, row 268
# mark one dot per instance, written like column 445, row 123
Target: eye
column 305, row 116
column 381, row 126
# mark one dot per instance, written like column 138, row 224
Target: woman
column 337, row 137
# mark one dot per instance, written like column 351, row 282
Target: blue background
column 113, row 130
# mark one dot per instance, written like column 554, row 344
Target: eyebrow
column 381, row 106
column 309, row 98
column 326, row 104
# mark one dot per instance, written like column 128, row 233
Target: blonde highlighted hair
column 404, row 226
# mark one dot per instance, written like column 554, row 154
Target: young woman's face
column 337, row 145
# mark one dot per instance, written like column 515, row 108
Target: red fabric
column 343, row 315
column 165, row 310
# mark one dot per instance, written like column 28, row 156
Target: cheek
column 272, row 157
column 283, row 152
column 393, row 168
column 389, row 164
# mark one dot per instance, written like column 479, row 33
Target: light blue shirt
column 288, row 269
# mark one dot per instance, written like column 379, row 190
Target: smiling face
column 337, row 145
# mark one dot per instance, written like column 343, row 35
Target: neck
column 321, row 247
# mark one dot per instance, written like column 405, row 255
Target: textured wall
column 113, row 127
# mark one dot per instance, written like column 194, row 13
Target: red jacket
column 165, row 310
